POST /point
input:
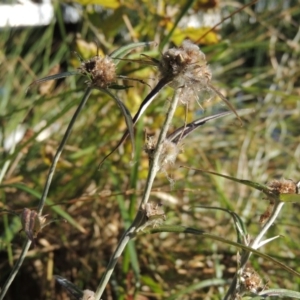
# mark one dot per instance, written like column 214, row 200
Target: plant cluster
column 183, row 68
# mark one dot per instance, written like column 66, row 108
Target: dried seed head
column 168, row 154
column 251, row 280
column 101, row 70
column 32, row 223
column 284, row 186
column 150, row 145
column 266, row 215
column 154, row 216
column 88, row 295
column 186, row 67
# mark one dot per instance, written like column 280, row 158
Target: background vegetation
column 254, row 58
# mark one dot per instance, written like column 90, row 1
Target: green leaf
column 146, row 102
column 261, row 187
column 122, row 51
column 281, row 293
column 113, row 4
column 294, row 198
column 128, row 120
column 53, row 77
column 182, row 132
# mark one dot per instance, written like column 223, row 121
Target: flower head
column 101, row 70
column 284, row 186
column 186, row 67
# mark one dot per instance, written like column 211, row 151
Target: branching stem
column 255, row 244
column 154, row 167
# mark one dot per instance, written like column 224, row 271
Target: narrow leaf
column 184, row 131
column 263, row 188
column 147, row 101
column 281, row 293
column 226, row 102
column 262, row 243
column 122, row 51
column 127, row 117
column 70, row 287
column 53, row 77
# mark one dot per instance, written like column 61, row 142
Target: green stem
column 60, row 149
column 15, row 269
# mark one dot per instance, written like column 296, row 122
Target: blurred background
column 254, row 59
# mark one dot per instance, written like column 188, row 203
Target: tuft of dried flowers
column 168, row 155
column 101, row 70
column 186, row 67
column 251, row 281
column 32, row 223
column 153, row 215
column 284, row 186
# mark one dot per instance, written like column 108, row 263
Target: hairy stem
column 154, row 167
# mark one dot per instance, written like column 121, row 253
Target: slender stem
column 255, row 245
column 60, row 149
column 42, row 201
column 154, row 167
column 15, row 269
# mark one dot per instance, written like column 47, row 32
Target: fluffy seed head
column 168, row 154
column 101, row 70
column 88, row 295
column 154, row 216
column 251, row 280
column 186, row 67
column 284, row 186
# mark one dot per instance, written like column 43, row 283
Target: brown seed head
column 154, row 216
column 32, row 223
column 251, row 280
column 284, row 186
column 101, row 70
column 168, row 154
column 186, row 67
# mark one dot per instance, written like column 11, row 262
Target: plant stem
column 255, row 245
column 154, row 167
column 15, row 269
column 60, row 149
column 42, row 201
